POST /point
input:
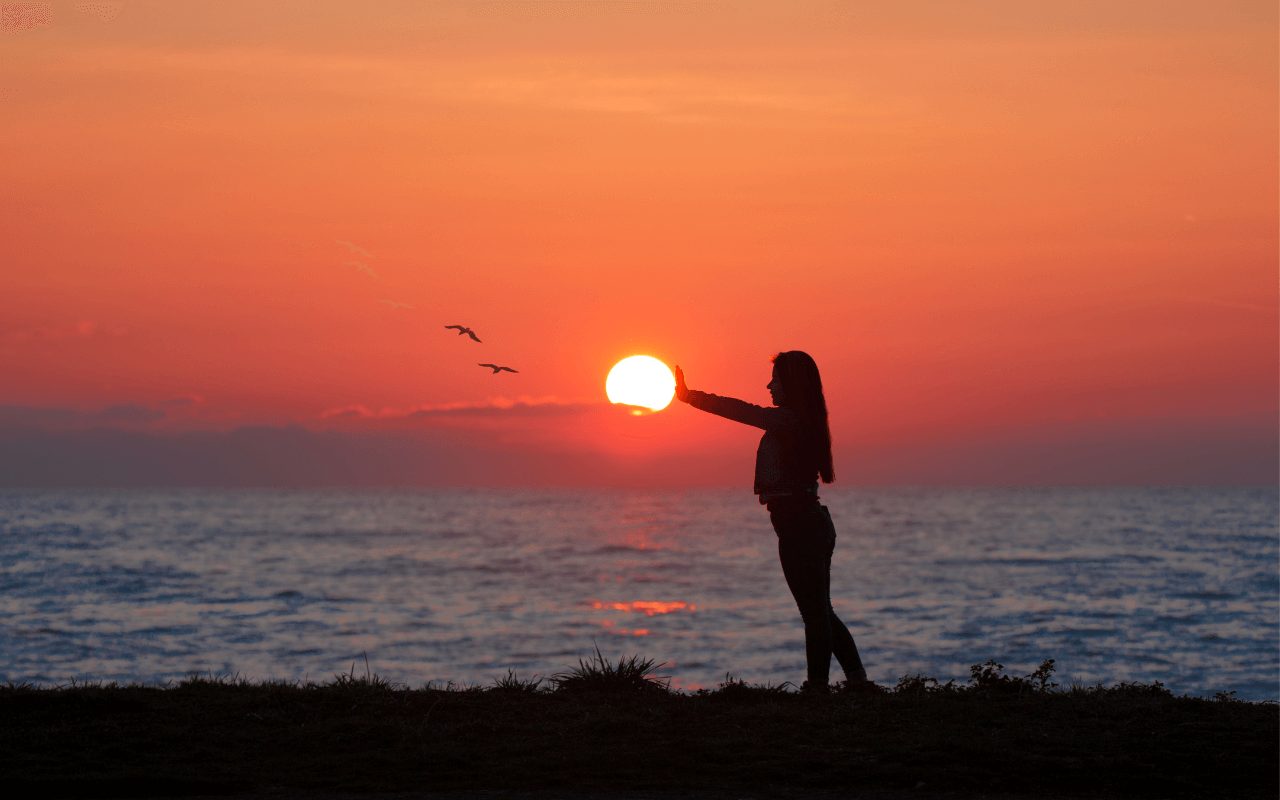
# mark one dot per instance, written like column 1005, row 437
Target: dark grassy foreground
column 612, row 727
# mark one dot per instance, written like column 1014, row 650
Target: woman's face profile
column 775, row 388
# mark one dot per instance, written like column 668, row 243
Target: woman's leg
column 846, row 651
column 804, row 549
column 842, row 644
column 804, row 577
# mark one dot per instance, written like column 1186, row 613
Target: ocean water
column 1175, row 585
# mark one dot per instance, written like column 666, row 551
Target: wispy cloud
column 81, row 329
column 105, row 10
column 190, row 410
column 184, row 401
column 396, row 304
column 354, row 248
column 179, row 411
column 500, row 407
column 363, row 267
column 676, row 97
column 597, row 84
column 53, row 418
column 1237, row 305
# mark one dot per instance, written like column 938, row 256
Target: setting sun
column 641, row 381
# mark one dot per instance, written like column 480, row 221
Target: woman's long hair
column 802, row 390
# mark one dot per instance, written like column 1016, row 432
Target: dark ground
column 995, row 738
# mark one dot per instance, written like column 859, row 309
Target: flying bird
column 464, row 329
column 496, row 369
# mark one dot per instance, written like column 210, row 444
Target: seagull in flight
column 464, row 329
column 496, row 369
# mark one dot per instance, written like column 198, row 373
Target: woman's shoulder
column 780, row 418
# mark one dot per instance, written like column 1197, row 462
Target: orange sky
column 1000, row 227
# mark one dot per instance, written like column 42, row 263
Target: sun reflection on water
column 649, row 608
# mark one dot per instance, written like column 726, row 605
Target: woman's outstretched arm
column 728, row 407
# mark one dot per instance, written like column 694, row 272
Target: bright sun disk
column 641, row 381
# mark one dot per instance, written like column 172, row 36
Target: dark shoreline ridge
column 607, row 727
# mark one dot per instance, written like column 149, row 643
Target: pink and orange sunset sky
column 1027, row 243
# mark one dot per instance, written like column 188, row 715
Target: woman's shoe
column 863, row 686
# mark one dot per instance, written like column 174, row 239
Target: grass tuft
column 514, row 684
column 196, row 680
column 1125, row 689
column 369, row 682
column 732, row 688
column 630, row 675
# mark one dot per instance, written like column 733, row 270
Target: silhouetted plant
column 449, row 686
column 362, row 682
column 515, row 684
column 633, row 674
column 1039, row 679
column 732, row 685
column 736, row 688
column 859, row 688
column 370, row 681
column 989, row 677
column 1153, row 689
column 195, row 680
column 922, row 684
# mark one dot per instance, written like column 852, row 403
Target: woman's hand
column 682, row 391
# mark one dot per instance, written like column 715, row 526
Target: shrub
column 989, row 677
column 922, row 684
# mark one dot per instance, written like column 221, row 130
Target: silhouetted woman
column 794, row 452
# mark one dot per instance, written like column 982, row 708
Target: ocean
column 1180, row 586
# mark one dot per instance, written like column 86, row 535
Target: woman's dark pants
column 806, row 540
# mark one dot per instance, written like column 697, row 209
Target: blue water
column 1175, row 585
